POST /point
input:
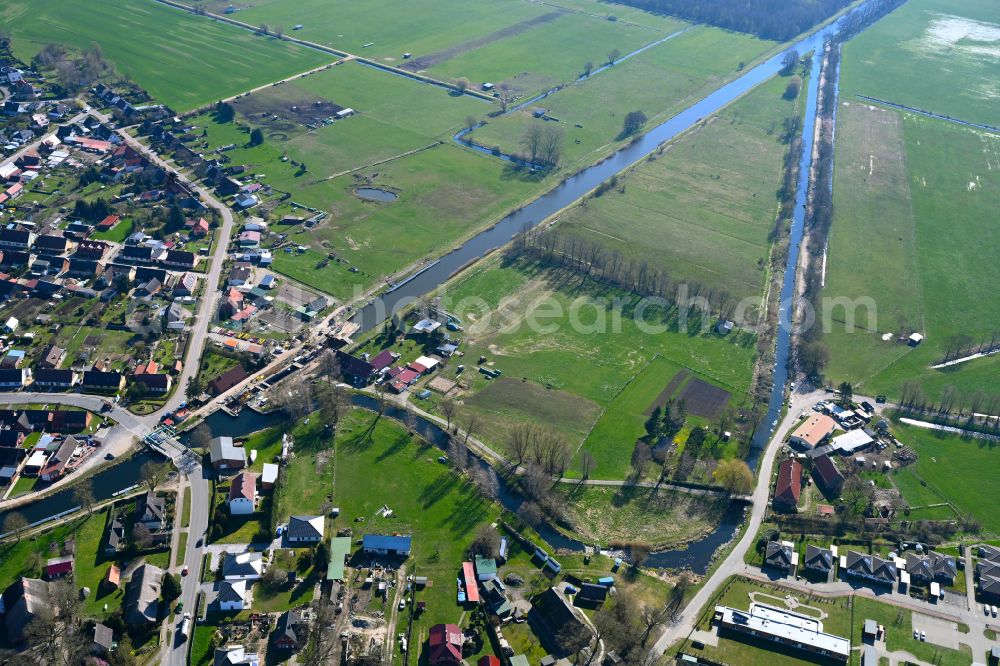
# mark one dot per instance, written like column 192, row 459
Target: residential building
column 234, row 655
column 104, row 640
column 794, row 632
column 94, row 380
column 869, row 567
column 53, row 357
column 241, row 274
column 155, row 383
column 292, row 631
column 780, row 556
column 14, row 378
column 53, row 379
column 23, row 601
column 932, row 567
column 592, row 594
column 56, row 466
column 243, row 494
column 382, row 544
column 13, row 239
column 151, row 511
column 142, row 595
column 243, row 566
column 186, row 285
column 227, row 455
column 227, row 380
column 305, row 529
column 179, row 259
column 813, row 432
column 269, row 476
column 788, row 486
column 854, row 441
column 555, row 621
column 51, row 244
column 444, row 645
column 57, row 567
column 827, row 476
column 819, row 560
column 115, row 536
column 234, row 595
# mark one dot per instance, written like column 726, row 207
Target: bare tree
column 613, row 56
column 83, row 494
column 152, row 473
column 201, row 437
column 506, row 96
column 332, row 400
column 532, row 142
column 459, row 453
column 588, row 67
column 471, row 427
column 142, row 537
column 15, row 523
column 550, row 149
column 519, row 440
column 586, row 464
column 448, row 411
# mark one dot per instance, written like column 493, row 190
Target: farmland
column 952, row 469
column 692, row 207
column 181, row 60
column 559, row 342
column 938, row 55
column 930, row 185
column 658, row 82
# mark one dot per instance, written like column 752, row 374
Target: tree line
column 779, row 20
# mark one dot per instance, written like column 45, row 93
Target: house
column 818, row 560
column 382, row 544
column 91, row 250
column 592, row 594
column 151, row 511
column 199, row 228
column 249, row 239
column 14, row 378
column 932, row 567
column 50, row 244
column 158, row 383
column 16, row 259
column 340, row 550
column 246, row 200
column 444, row 645
column 179, row 259
column 486, row 568
column 989, row 588
column 243, row 494
column 854, row 441
column 138, row 254
column 554, row 620
column 827, row 476
column 226, row 455
column 269, row 476
column 147, row 273
column 56, row 466
column 292, row 631
column 23, row 601
column 11, row 438
column 51, row 379
column 115, row 536
column 869, row 567
column 788, row 486
column 94, row 380
column 228, row 380
column 233, row 595
column 186, row 285
column 53, row 357
column 83, row 268
column 779, row 556
column 112, row 578
column 243, row 566
column 10, row 326
column 353, row 369
column 104, row 639
column 813, row 431
column 13, row 239
column 57, row 567
column 176, row 317
column 108, row 223
column 241, row 274
column 305, row 529
column 234, row 655
column 149, row 289
column 142, row 595
column 12, row 359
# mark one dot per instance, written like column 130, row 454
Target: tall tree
column 734, row 475
column 83, row 494
column 152, row 473
column 15, row 523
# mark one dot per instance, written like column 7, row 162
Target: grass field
column 939, row 55
column 558, row 339
column 181, row 60
column 694, row 209
column 955, row 469
column 658, row 82
column 660, row 518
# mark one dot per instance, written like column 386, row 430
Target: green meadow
column 659, row 82
column 938, row 55
column 915, row 199
column 572, row 362
column 182, row 60
column 694, row 210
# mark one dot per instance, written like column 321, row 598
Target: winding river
column 697, row 556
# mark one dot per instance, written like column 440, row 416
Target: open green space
column 559, row 338
column 658, row 82
column 912, row 196
column 692, row 208
column 942, row 56
column 953, row 469
column 660, row 518
column 182, row 60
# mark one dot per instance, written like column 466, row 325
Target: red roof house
column 108, row 223
column 445, row 645
column 488, row 660
column 788, row 487
column 56, row 567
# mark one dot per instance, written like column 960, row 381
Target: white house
column 11, row 325
column 243, row 494
column 243, row 566
column 234, row 595
column 305, row 529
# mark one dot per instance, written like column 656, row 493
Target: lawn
column 659, row 82
column 937, row 55
column 660, row 518
column 565, row 339
column 182, row 60
column 956, row 470
column 692, row 208
column 117, row 234
column 912, row 194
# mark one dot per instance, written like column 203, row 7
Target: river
column 697, row 555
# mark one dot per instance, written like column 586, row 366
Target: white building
column 243, row 494
column 234, row 595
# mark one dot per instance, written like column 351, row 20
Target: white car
column 986, row 610
column 923, row 635
column 916, row 635
column 993, row 611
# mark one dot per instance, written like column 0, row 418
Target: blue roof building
column 382, row 544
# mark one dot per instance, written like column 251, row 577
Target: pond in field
column 375, row 194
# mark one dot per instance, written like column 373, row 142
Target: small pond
column 375, row 194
